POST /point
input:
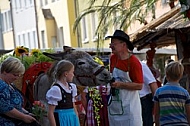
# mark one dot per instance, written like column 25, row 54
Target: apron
column 125, row 108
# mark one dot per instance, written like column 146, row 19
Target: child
column 61, row 96
column 172, row 102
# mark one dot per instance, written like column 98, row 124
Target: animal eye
column 81, row 63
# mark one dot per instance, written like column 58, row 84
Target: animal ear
column 55, row 56
column 68, row 49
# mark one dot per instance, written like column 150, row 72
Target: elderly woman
column 11, row 101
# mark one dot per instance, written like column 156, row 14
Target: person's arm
column 157, row 115
column 14, row 113
column 127, row 85
column 187, row 108
column 75, row 108
column 51, row 115
column 153, row 87
column 25, row 111
column 53, row 95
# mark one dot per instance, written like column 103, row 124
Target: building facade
column 55, row 23
column 24, row 23
column 37, row 24
column 6, row 27
column 49, row 23
column 89, row 23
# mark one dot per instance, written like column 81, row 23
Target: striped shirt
column 172, row 99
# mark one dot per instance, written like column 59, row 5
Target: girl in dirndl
column 61, row 96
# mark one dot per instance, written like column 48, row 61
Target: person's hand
column 116, row 84
column 28, row 119
column 31, row 114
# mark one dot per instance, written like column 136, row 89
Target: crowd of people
column 170, row 103
column 135, row 99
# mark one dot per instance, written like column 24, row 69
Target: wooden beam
column 151, row 26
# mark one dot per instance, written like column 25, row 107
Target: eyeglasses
column 114, row 44
column 17, row 75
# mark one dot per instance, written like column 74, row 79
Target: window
column 24, row 4
column 41, row 3
column 31, row 2
column 54, row 41
column 28, row 36
column 19, row 40
column 116, row 20
column 84, row 30
column 10, row 20
column 46, row 2
column 20, row 4
column 2, row 24
column 34, row 36
column 6, row 21
column 24, row 40
column 15, row 4
column 43, row 39
column 94, row 25
column 61, row 33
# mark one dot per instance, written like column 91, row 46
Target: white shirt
column 148, row 79
column 54, row 95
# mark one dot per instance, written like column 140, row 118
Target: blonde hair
column 174, row 71
column 61, row 67
column 12, row 65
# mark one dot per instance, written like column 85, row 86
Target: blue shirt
column 9, row 98
column 172, row 99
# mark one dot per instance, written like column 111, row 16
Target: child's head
column 174, row 71
column 63, row 68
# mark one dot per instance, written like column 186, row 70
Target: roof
column 161, row 30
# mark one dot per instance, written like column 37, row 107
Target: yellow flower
column 35, row 52
column 21, row 50
column 99, row 61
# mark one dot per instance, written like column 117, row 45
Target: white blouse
column 54, row 95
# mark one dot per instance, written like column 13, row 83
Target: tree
column 127, row 12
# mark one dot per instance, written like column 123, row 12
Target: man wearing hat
column 125, row 107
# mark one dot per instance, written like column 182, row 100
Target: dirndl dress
column 66, row 117
column 64, row 112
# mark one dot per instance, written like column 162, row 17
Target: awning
column 161, row 30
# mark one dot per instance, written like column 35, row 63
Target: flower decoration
column 35, row 52
column 98, row 60
column 21, row 50
column 97, row 102
column 39, row 110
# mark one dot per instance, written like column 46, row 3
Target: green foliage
column 39, row 110
column 97, row 102
column 3, row 57
column 117, row 14
column 35, row 57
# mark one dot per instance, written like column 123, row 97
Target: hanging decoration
column 185, row 8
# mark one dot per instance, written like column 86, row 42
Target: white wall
column 24, row 23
